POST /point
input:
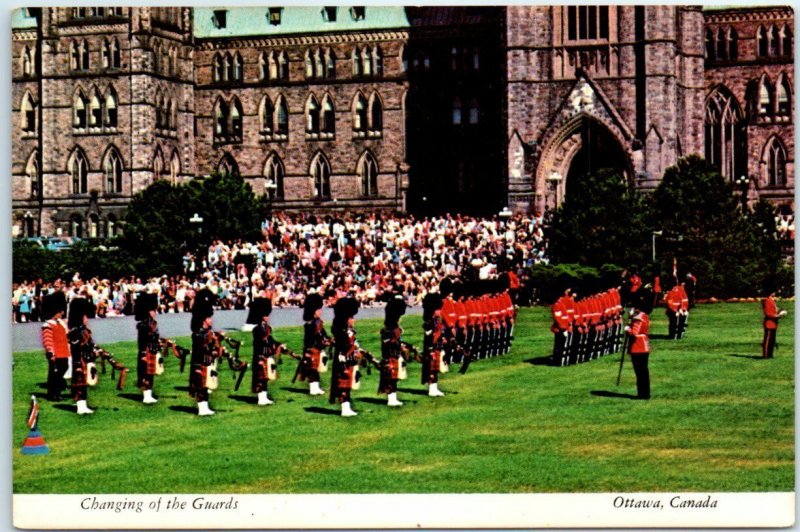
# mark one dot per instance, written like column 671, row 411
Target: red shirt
column 673, row 299
column 771, row 314
column 54, row 338
column 639, row 331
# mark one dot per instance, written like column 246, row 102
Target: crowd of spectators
column 363, row 256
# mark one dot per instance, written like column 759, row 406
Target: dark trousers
column 55, row 377
column 673, row 324
column 560, row 348
column 642, row 374
column 683, row 319
column 768, row 345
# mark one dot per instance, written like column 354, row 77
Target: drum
column 212, row 377
column 272, row 369
column 91, row 374
column 443, row 366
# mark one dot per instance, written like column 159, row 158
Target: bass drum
column 91, row 374
column 444, row 367
column 212, row 377
column 272, row 369
column 402, row 369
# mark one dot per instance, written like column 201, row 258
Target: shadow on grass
column 182, row 388
column 67, row 408
column 320, row 410
column 413, row 391
column 296, row 390
column 249, row 399
column 605, row 393
column 41, row 385
column 660, row 337
column 131, row 396
column 542, row 361
column 185, row 409
column 372, row 400
column 755, row 357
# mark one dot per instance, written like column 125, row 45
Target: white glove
column 566, row 333
column 342, row 359
column 782, row 313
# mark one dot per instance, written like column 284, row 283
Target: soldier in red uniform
column 639, row 347
column 55, row 343
column 683, row 312
column 561, row 329
column 673, row 303
column 772, row 314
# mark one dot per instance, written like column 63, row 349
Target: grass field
column 720, row 419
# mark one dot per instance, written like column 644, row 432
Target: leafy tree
column 729, row 252
column 229, row 208
column 602, row 221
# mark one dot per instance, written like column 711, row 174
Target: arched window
column 266, row 115
column 79, row 104
column 787, row 41
column 456, row 111
column 110, row 115
column 722, row 44
column 84, row 56
column 221, row 119
column 321, row 174
column 330, row 64
column 375, row 114
column 763, row 42
column 106, row 54
column 776, row 163
column 765, row 97
column 95, row 110
column 27, row 62
column 116, row 59
column 219, row 68
column 173, row 61
column 784, row 104
column 236, row 118
column 774, row 41
column 159, row 102
column 79, row 170
column 172, row 114
column 474, row 111
column 228, row 67
column 238, row 68
column 319, row 64
column 328, row 116
column 111, row 226
column 368, row 175
column 76, row 226
column 274, row 173
column 75, row 56
column 94, row 225
column 28, row 114
column 157, row 58
column 174, row 168
column 733, row 45
column 158, row 165
column 32, row 171
column 711, row 46
column 357, row 67
column 312, row 115
column 227, row 166
column 360, row 113
column 377, row 58
column 726, row 138
column 283, row 66
column 113, row 172
column 282, row 116
column 266, row 66
column 309, row 63
column 366, row 61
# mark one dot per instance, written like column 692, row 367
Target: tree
column 229, row 208
column 727, row 250
column 602, row 221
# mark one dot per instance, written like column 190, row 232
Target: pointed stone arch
column 320, row 172
column 274, row 174
column 113, row 167
column 227, row 165
column 367, row 171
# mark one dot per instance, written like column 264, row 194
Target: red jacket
column 771, row 313
column 54, row 338
column 639, row 331
column 673, row 299
column 562, row 320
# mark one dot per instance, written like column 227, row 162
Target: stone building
column 392, row 108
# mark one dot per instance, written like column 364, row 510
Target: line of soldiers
column 587, row 328
column 71, row 352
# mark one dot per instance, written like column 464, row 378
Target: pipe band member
column 149, row 342
column 81, row 348
column 392, row 360
column 345, row 355
column 205, row 350
column 264, row 349
column 315, row 343
column 433, row 342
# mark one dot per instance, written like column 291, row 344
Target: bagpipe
column 181, row 353
column 319, row 360
column 267, row 368
column 237, row 366
column 466, row 357
column 410, row 352
column 364, row 359
column 105, row 356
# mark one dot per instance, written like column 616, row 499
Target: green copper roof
column 20, row 20
column 727, row 7
column 254, row 21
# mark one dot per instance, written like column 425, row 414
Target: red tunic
column 771, row 314
column 639, row 331
column 54, row 338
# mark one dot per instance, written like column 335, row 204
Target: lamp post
column 743, row 182
column 271, row 187
column 553, row 181
column 655, row 234
column 504, row 215
column 197, row 221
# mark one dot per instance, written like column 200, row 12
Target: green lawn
column 720, row 420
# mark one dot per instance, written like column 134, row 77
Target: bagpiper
column 82, row 353
column 392, row 364
column 149, row 361
column 433, row 345
column 345, row 357
column 265, row 349
column 315, row 343
column 205, row 350
column 56, row 345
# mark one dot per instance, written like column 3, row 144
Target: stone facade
column 419, row 108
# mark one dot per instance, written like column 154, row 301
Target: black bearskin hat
column 144, row 304
column 430, row 304
column 770, row 285
column 395, row 308
column 344, row 309
column 78, row 308
column 53, row 304
column 446, row 287
column 312, row 304
column 202, row 308
column 644, row 300
column 259, row 307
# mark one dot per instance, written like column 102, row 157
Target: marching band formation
column 463, row 323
